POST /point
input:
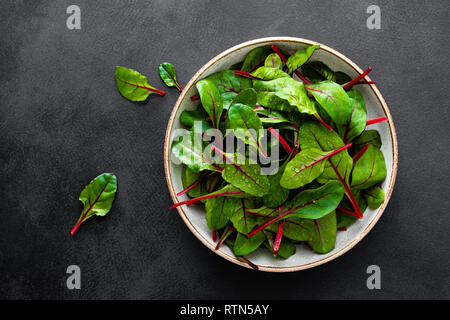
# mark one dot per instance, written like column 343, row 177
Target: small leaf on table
column 168, row 75
column 97, row 197
column 133, row 85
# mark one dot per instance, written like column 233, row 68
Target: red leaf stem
column 348, row 191
column 360, row 153
column 246, row 74
column 357, row 79
column 283, row 58
column 280, row 138
column 373, row 121
column 195, row 200
column 277, row 242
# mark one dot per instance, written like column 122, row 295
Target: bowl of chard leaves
column 280, row 154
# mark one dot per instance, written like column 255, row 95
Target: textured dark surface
column 62, row 122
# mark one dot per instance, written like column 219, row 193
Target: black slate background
column 63, row 122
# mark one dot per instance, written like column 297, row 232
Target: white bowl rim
column 193, row 80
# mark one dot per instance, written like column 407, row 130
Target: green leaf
column 97, row 197
column 242, row 221
column 357, row 122
column 316, row 203
column 255, row 57
column 189, row 150
column 287, row 89
column 229, row 85
column 247, row 178
column 231, row 188
column 188, row 117
column 317, row 71
column 271, row 116
column 247, row 97
column 333, row 99
column 133, row 85
column 369, row 136
column 219, row 210
column 243, row 117
column 300, row 57
column 314, row 135
column 168, row 75
column 273, row 60
column 188, row 177
column 211, row 100
column 287, row 249
column 268, row 73
column 344, row 219
column 277, row 195
column 295, row 228
column 374, row 197
column 244, row 245
column 369, row 170
column 304, row 168
column 324, row 235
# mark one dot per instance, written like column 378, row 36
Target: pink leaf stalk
column 357, row 79
column 281, row 140
column 377, row 120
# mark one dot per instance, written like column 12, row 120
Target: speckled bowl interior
column 194, row 216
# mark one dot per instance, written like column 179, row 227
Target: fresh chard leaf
column 244, row 245
column 188, row 178
column 369, row 136
column 231, row 191
column 324, row 236
column 304, row 168
column 97, row 198
column 190, row 151
column 277, row 194
column 300, row 57
column 314, row 135
column 287, row 249
column 316, row 203
column 344, row 218
column 286, row 89
column 296, row 229
column 374, row 197
column 219, row 211
column 273, row 60
column 255, row 57
column 309, row 204
column 211, row 100
column 369, row 170
column 269, row 73
column 168, row 75
column 317, row 71
column 229, row 85
column 133, row 85
column 242, row 221
column 357, row 122
column 247, row 97
column 246, row 125
column 333, row 99
column 247, row 178
column 189, row 117
column 272, row 117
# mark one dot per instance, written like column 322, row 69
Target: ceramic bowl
column 194, row 216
